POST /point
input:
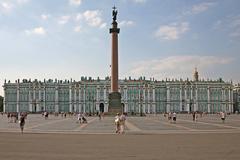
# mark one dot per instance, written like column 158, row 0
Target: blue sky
column 66, row 39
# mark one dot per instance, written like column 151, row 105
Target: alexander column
column 114, row 96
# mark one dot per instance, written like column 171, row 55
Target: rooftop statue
column 114, row 13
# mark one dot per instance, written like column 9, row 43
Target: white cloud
column 78, row 17
column 229, row 24
column 77, row 29
column 172, row 31
column 199, row 8
column 36, row 31
column 75, row 2
column 6, row 7
column 45, row 16
column 22, row 1
column 234, row 26
column 175, row 66
column 140, row 1
column 64, row 19
column 103, row 25
column 93, row 18
column 235, row 33
column 126, row 23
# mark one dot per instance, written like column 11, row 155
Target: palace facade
column 236, row 97
column 138, row 96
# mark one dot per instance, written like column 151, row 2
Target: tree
column 1, row 103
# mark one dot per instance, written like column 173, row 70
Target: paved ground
column 151, row 137
column 219, row 146
column 154, row 124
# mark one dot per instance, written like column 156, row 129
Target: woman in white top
column 117, row 123
column 223, row 116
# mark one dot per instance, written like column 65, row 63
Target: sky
column 64, row 39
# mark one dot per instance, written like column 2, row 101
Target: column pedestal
column 114, row 103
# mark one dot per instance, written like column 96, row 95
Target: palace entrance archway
column 101, row 107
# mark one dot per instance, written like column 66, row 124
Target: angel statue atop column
column 114, row 13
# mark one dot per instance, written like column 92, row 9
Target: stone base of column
column 115, row 103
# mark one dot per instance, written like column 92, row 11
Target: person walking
column 117, row 123
column 122, row 119
column 79, row 117
column 223, row 116
column 170, row 117
column 194, row 116
column 174, row 117
column 22, row 123
column 100, row 116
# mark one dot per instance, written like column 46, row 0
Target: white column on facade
column 208, row 95
column 39, row 99
column 84, row 99
column 56, row 100
column 192, row 100
column 70, row 98
column 44, row 97
column 34, row 98
column 79, row 100
column 139, row 99
column 148, row 101
column 125, row 99
column 144, row 100
column 4, row 100
column 18, row 97
column 196, row 99
column 30, row 100
column 105, row 93
column 180, row 107
column 98, row 94
column 154, row 101
column 75, row 99
column 168, row 99
column 106, row 107
column 186, row 105
column 223, row 100
column 229, row 100
column 98, row 99
column 125, row 94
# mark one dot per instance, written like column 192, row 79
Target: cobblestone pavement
column 151, row 124
column 151, row 137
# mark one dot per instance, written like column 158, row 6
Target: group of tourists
column 120, row 123
column 119, row 118
column 81, row 118
column 172, row 117
column 45, row 114
column 195, row 116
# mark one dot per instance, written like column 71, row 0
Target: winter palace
column 138, row 96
